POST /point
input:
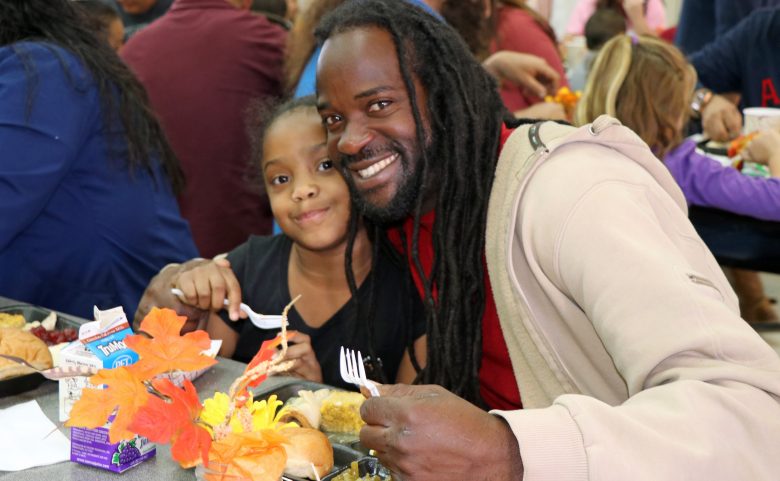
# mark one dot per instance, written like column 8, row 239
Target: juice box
column 101, row 346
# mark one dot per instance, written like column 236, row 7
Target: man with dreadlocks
column 603, row 309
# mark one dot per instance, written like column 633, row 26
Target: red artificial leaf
column 174, row 420
column 167, row 350
column 123, row 392
column 266, row 352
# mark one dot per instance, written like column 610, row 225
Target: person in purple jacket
column 647, row 84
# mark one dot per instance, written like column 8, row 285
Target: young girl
column 647, row 84
column 311, row 203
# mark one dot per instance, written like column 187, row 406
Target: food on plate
column 305, row 408
column 307, row 450
column 55, row 336
column 353, row 474
column 24, row 345
column 11, row 320
column 48, row 323
column 340, row 412
column 736, row 145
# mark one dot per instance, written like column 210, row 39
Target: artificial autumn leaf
column 265, row 353
column 174, row 420
column 162, row 322
column 167, row 350
column 258, row 455
column 123, row 392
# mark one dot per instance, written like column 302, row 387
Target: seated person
column 87, row 179
column 654, row 82
column 365, row 308
column 138, row 14
column 742, row 67
column 521, row 29
column 645, row 17
column 604, row 24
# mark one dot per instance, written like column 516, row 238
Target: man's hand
column 426, row 433
column 158, row 294
column 528, row 71
column 721, row 119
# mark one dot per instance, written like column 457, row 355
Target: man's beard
column 403, row 202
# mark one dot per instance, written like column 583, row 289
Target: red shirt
column 203, row 63
column 497, row 383
column 519, row 32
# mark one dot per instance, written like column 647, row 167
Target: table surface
column 160, row 467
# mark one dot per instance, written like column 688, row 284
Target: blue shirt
column 77, row 229
column 307, row 84
column 702, row 21
column 745, row 60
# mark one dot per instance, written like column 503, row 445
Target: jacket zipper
column 701, row 280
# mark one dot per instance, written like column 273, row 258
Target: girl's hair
column 644, row 82
column 260, row 115
column 99, row 12
column 544, row 24
column 123, row 100
column 301, row 42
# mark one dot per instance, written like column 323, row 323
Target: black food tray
column 27, row 382
column 368, row 465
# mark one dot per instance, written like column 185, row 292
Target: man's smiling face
column 365, row 107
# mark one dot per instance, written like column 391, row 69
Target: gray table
column 161, row 467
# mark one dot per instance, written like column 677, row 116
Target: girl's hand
column 765, row 149
column 306, row 365
column 207, row 285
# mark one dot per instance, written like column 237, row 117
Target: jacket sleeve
column 41, row 121
column 703, row 388
column 718, row 64
column 706, row 182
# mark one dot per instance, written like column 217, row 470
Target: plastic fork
column 352, row 370
column 262, row 321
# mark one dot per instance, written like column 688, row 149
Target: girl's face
column 309, row 198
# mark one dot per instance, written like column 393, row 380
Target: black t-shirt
column 396, row 319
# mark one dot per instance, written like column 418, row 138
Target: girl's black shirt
column 393, row 321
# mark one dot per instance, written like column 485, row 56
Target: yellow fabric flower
column 265, row 416
column 263, row 413
column 215, row 410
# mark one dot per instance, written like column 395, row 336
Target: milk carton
column 100, row 346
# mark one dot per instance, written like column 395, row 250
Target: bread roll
column 306, row 447
column 22, row 344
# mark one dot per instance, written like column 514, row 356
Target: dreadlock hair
column 123, row 100
column 466, row 113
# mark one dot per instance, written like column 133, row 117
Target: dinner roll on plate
column 22, row 344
